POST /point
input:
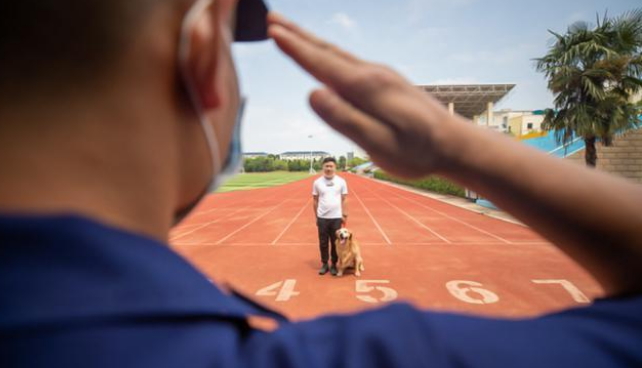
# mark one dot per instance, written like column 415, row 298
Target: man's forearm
column 594, row 217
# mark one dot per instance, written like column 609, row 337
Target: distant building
column 254, row 154
column 357, row 152
column 304, row 155
column 515, row 122
column 527, row 123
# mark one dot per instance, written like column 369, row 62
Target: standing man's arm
column 315, row 204
column 315, row 198
column 344, row 202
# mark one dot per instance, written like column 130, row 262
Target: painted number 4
column 284, row 290
column 364, row 287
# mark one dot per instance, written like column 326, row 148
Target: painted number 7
column 364, row 287
column 576, row 294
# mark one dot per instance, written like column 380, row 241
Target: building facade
column 304, row 155
column 254, row 154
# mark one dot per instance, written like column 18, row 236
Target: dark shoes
column 324, row 269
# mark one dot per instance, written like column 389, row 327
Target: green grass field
column 261, row 180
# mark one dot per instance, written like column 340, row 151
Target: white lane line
column 292, row 222
column 413, row 219
column 454, row 219
column 209, row 211
column 288, row 244
column 250, row 223
column 205, row 225
column 372, row 218
column 408, row 244
column 228, row 215
column 224, row 217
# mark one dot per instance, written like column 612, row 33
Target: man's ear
column 209, row 35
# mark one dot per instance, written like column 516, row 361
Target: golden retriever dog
column 349, row 253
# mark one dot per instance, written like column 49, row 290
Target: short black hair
column 329, row 159
column 51, row 45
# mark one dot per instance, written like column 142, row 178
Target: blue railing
column 548, row 144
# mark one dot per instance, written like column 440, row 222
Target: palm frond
column 592, row 72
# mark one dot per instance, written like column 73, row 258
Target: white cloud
column 343, row 20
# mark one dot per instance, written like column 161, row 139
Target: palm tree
column 593, row 72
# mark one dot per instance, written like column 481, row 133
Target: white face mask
column 232, row 165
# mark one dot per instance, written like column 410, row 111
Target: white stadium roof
column 469, row 99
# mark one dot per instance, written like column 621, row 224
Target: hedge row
column 431, row 183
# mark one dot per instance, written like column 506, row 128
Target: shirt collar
column 66, row 268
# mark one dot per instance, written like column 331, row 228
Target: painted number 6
column 462, row 290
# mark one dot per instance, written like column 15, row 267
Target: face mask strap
column 234, row 157
column 184, row 48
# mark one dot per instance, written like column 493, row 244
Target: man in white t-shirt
column 329, row 193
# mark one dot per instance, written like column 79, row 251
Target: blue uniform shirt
column 74, row 293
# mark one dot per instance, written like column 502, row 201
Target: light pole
column 312, row 172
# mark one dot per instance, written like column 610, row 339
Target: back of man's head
column 47, row 46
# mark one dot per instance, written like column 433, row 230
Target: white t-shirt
column 329, row 192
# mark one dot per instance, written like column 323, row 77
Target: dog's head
column 344, row 235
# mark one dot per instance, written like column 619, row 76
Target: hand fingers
column 278, row 19
column 378, row 91
column 327, row 67
column 367, row 132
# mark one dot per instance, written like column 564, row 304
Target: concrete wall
column 515, row 125
column 518, row 121
column 536, row 120
column 624, row 158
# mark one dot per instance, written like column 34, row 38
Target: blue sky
column 427, row 41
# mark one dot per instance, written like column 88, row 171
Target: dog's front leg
column 358, row 267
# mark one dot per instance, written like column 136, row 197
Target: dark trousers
column 328, row 233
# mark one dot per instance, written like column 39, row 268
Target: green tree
column 263, row 164
column 280, row 165
column 298, row 165
column 342, row 162
column 356, row 162
column 593, row 71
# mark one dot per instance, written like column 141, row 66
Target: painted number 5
column 364, row 287
column 462, row 290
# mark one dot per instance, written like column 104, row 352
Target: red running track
column 264, row 243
